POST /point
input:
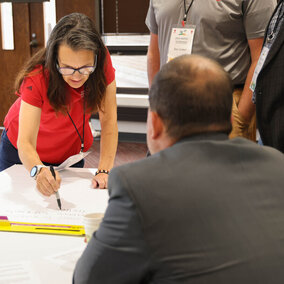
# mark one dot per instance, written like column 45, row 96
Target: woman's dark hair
column 78, row 32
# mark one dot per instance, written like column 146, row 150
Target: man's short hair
column 192, row 94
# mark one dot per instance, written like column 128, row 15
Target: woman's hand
column 100, row 181
column 45, row 182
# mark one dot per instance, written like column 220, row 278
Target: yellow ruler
column 40, row 228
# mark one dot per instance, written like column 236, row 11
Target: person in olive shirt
column 228, row 31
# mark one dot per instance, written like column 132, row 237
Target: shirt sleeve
column 256, row 16
column 118, row 246
column 109, row 70
column 30, row 93
column 150, row 21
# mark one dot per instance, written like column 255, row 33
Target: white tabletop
column 40, row 258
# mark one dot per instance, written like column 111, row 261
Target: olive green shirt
column 223, row 29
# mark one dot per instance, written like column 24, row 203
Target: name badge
column 258, row 67
column 181, row 41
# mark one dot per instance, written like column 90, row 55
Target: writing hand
column 45, row 182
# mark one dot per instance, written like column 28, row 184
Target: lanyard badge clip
column 183, row 22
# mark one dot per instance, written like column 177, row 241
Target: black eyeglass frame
column 76, row 69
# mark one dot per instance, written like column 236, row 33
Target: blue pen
column 56, row 193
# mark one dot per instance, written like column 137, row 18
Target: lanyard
column 273, row 30
column 186, row 12
column 81, row 138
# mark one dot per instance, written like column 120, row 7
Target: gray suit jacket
column 206, row 210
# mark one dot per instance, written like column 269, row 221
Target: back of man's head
column 192, row 95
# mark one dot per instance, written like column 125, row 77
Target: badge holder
column 258, row 67
column 181, row 41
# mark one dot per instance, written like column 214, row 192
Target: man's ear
column 156, row 124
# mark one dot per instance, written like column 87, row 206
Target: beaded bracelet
column 102, row 172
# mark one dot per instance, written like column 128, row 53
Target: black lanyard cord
column 186, row 10
column 81, row 138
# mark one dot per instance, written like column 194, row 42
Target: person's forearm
column 153, row 66
column 246, row 107
column 108, row 145
column 28, row 155
column 153, row 58
column 29, row 121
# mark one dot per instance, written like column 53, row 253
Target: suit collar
column 275, row 46
column 205, row 136
column 278, row 41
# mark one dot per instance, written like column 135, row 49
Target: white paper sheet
column 72, row 160
column 67, row 259
column 21, row 201
column 17, row 273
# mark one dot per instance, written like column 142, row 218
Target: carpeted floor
column 126, row 152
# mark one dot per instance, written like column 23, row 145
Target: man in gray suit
column 201, row 208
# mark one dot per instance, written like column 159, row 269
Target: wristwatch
column 36, row 170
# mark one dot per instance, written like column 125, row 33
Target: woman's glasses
column 85, row 70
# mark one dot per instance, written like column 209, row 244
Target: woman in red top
column 59, row 88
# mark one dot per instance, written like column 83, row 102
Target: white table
column 41, row 258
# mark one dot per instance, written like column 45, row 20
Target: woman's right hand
column 45, row 182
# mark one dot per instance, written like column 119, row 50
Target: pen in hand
column 56, row 193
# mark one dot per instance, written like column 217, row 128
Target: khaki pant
column 240, row 128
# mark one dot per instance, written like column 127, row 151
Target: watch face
column 33, row 171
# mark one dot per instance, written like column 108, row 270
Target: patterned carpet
column 126, row 152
